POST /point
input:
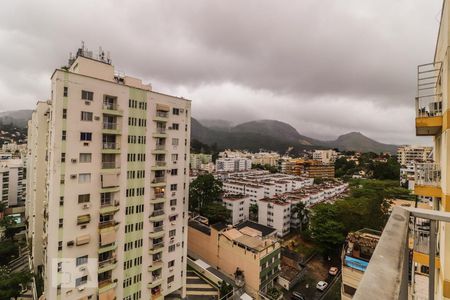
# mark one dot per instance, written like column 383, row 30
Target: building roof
column 199, row 226
column 265, row 230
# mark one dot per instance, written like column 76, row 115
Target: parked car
column 297, row 296
column 333, row 271
column 321, row 285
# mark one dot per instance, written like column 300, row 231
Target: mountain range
column 279, row 136
column 253, row 135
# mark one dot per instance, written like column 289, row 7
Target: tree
column 253, row 209
column 9, row 224
column 225, row 289
column 326, row 229
column 9, row 250
column 12, row 284
column 215, row 212
column 203, row 190
column 302, row 213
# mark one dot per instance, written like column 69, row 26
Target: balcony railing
column 107, row 224
column 157, row 245
column 160, row 147
column 160, row 130
column 427, row 174
column 158, row 228
column 110, row 106
column 162, row 114
column 158, row 212
column 111, row 145
column 159, row 179
column 160, row 163
column 109, row 261
column 429, row 97
column 109, row 165
column 387, row 275
column 159, row 195
column 110, row 125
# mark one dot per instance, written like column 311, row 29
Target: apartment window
column 61, row 223
column 85, row 157
column 81, row 280
column 174, row 172
column 86, row 95
column 176, row 111
column 170, row 279
column 66, row 91
column 63, row 157
column 171, row 248
column 171, row 264
column 59, row 245
column 84, row 178
column 174, row 157
column 82, row 260
column 172, row 232
column 86, row 116
column 173, row 202
column 175, row 142
column 84, row 198
column 175, row 126
column 85, row 136
column 61, row 201
column 173, row 187
column 64, row 114
column 63, row 135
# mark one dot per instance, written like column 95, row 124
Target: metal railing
column 111, row 145
column 387, row 275
column 107, row 224
column 110, row 125
column 157, row 245
column 427, row 174
column 159, row 195
column 160, row 130
column 158, row 212
column 159, row 179
column 110, row 106
column 158, row 228
column 160, row 147
column 429, row 97
column 109, row 261
column 162, row 114
column 109, row 165
column 160, row 163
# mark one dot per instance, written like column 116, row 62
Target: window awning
column 83, row 239
column 110, row 180
column 162, row 107
column 107, row 237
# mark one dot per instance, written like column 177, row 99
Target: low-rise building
column 231, row 164
column 238, row 204
column 358, row 249
column 199, row 159
column 325, row 156
column 248, row 252
column 311, row 168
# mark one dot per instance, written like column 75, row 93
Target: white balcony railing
column 429, row 97
column 427, row 174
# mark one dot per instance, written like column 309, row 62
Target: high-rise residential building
column 325, row 156
column 12, row 182
column 36, row 181
column 115, row 209
column 233, row 164
column 412, row 154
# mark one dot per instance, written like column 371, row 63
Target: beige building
column 114, row 223
column 311, row 168
column 325, row 156
column 410, row 154
column 248, row 247
column 358, row 249
column 12, row 182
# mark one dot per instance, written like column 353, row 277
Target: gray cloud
column 326, row 67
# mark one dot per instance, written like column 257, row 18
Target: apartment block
column 199, row 159
column 248, row 253
column 325, row 156
column 12, row 181
column 412, row 153
column 311, row 168
column 239, row 205
column 236, row 164
column 116, row 176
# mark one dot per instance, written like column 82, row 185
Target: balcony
column 106, row 285
column 156, row 280
column 159, row 149
column 109, row 207
column 159, row 165
column 157, row 215
column 156, row 265
column 107, row 165
column 427, row 180
column 161, row 116
column 429, row 100
column 157, row 232
column 107, row 265
column 160, row 132
column 158, row 181
column 112, row 109
column 106, row 225
column 387, row 275
column 111, row 128
column 156, row 247
column 111, row 147
column 158, row 198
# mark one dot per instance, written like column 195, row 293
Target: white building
column 12, row 182
column 114, row 213
column 233, row 164
column 411, row 153
column 239, row 205
column 325, row 156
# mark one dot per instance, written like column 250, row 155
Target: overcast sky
column 326, row 67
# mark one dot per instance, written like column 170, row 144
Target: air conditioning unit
column 70, row 243
column 178, row 244
column 73, row 160
column 82, row 269
column 173, row 208
column 73, row 176
column 86, row 206
column 81, row 288
column 175, row 162
column 83, row 226
column 181, row 110
column 174, row 193
column 171, row 270
column 85, row 144
column 87, row 102
column 96, row 118
column 170, row 128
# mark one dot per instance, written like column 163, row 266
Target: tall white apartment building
column 238, row 205
column 275, row 214
column 233, row 164
column 410, row 154
column 12, row 182
column 325, row 156
column 37, row 181
column 114, row 213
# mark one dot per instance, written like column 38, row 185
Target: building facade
column 199, row 159
column 12, row 182
column 311, row 168
column 233, row 164
column 238, row 205
column 410, row 154
column 325, row 156
column 114, row 214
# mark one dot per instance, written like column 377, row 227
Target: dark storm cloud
column 326, row 67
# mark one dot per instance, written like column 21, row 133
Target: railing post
column 432, row 262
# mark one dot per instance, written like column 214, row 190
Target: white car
column 321, row 285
